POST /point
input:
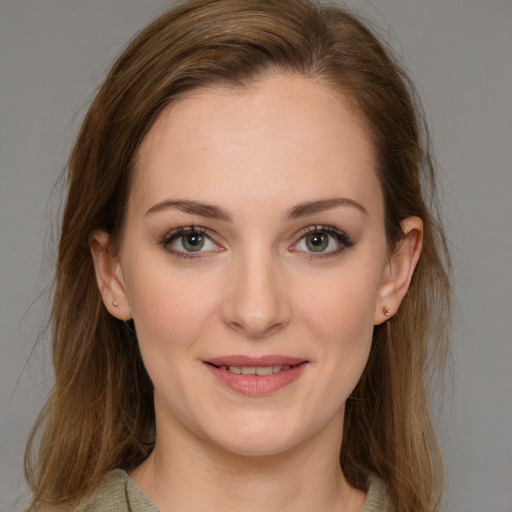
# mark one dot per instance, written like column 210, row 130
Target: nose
column 257, row 302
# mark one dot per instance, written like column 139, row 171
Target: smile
column 262, row 371
column 256, row 376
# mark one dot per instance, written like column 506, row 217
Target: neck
column 193, row 474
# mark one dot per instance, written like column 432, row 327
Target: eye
column 189, row 242
column 317, row 242
column 322, row 241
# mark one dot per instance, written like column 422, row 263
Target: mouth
column 256, row 376
column 262, row 371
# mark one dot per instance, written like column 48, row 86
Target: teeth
column 255, row 370
column 264, row 370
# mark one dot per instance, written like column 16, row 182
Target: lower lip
column 256, row 385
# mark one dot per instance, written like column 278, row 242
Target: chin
column 262, row 437
column 262, row 444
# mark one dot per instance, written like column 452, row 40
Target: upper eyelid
column 319, row 227
column 341, row 236
column 168, row 239
column 215, row 238
column 322, row 228
column 183, row 230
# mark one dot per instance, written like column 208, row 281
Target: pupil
column 193, row 242
column 317, row 242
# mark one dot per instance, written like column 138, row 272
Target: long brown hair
column 100, row 413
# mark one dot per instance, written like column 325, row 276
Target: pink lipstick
column 256, row 376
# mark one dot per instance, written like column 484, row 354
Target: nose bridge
column 257, row 303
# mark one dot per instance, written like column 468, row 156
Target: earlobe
column 109, row 275
column 399, row 270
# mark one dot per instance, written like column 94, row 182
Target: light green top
column 118, row 493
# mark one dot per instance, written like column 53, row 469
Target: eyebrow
column 215, row 212
column 194, row 207
column 311, row 207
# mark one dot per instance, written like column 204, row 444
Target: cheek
column 342, row 303
column 168, row 309
column 339, row 315
column 170, row 313
column 345, row 328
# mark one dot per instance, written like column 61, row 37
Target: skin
column 255, row 288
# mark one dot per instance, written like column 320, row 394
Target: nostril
column 257, row 302
column 253, row 330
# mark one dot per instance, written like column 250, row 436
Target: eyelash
column 180, row 232
column 341, row 238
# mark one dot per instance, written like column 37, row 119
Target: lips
column 262, row 371
column 256, row 376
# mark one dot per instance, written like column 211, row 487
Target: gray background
column 53, row 54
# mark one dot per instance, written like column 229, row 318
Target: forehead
column 282, row 135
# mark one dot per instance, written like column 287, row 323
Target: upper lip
column 251, row 361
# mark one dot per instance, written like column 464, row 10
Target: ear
column 399, row 270
column 109, row 275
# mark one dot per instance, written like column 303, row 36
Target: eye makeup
column 194, row 242
column 190, row 242
column 321, row 241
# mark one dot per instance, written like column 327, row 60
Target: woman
column 239, row 287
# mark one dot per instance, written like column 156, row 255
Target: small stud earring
column 115, row 304
column 386, row 312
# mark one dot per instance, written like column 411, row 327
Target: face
column 254, row 262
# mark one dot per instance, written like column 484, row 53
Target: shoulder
column 116, row 493
column 109, row 495
column 377, row 498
